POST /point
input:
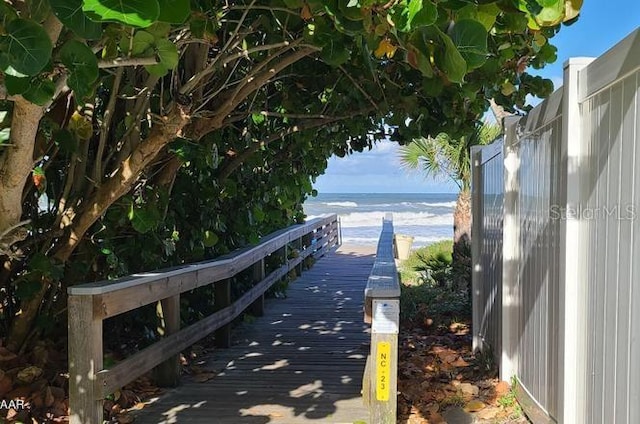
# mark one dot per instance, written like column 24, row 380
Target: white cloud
column 376, row 171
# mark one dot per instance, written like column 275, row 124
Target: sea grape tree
column 112, row 110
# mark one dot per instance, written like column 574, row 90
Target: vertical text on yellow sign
column 383, row 371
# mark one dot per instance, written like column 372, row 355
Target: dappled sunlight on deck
column 302, row 362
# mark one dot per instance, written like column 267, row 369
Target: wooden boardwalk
column 302, row 362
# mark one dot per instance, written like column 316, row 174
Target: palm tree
column 448, row 158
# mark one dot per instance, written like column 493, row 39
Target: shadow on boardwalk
column 301, row 362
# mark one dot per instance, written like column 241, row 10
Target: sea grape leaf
column 167, row 53
column 135, row 13
column 422, row 13
column 16, row 85
column 143, row 43
column 40, row 91
column 551, row 15
column 82, row 65
column 144, row 219
column 38, row 9
column 335, row 53
column 487, row 14
column 25, row 47
column 71, row 15
column 174, row 11
column 451, row 61
column 419, row 53
column 168, row 57
column 470, row 38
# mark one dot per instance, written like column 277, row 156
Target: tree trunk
column 461, row 257
column 110, row 191
column 17, row 162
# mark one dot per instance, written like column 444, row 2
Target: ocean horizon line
column 385, row 192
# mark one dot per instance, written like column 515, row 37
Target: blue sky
column 601, row 25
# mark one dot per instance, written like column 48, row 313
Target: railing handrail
column 274, row 240
column 383, row 280
column 90, row 304
column 382, row 309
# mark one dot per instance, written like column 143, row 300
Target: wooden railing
column 382, row 310
column 90, row 304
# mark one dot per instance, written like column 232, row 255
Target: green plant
column 509, row 401
column 412, row 270
column 436, row 269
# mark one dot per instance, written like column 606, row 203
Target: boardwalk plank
column 302, row 362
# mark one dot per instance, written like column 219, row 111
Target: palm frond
column 444, row 157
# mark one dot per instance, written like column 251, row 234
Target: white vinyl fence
column 556, row 245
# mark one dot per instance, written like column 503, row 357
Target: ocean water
column 426, row 217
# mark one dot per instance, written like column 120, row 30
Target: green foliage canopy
column 171, row 131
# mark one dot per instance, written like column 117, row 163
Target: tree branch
column 247, row 52
column 104, row 127
column 196, row 79
column 244, row 115
column 127, row 61
column 122, row 181
column 252, row 83
column 364, row 93
column 239, row 159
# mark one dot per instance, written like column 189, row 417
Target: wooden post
column 257, row 307
column 383, row 369
column 85, row 360
column 168, row 373
column 298, row 244
column 222, row 299
column 306, row 243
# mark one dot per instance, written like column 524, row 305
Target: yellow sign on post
column 383, row 371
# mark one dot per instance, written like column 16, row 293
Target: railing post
column 384, row 360
column 282, row 254
column 257, row 307
column 222, row 299
column 298, row 245
column 85, row 360
column 307, row 240
column 168, row 373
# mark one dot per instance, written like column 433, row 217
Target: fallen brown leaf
column 488, row 413
column 502, row 388
column 460, row 363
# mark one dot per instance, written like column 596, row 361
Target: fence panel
column 610, row 98
column 569, row 279
column 539, row 145
column 488, row 198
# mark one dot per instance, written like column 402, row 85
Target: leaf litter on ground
column 438, row 373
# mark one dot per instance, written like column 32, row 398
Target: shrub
column 427, row 288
